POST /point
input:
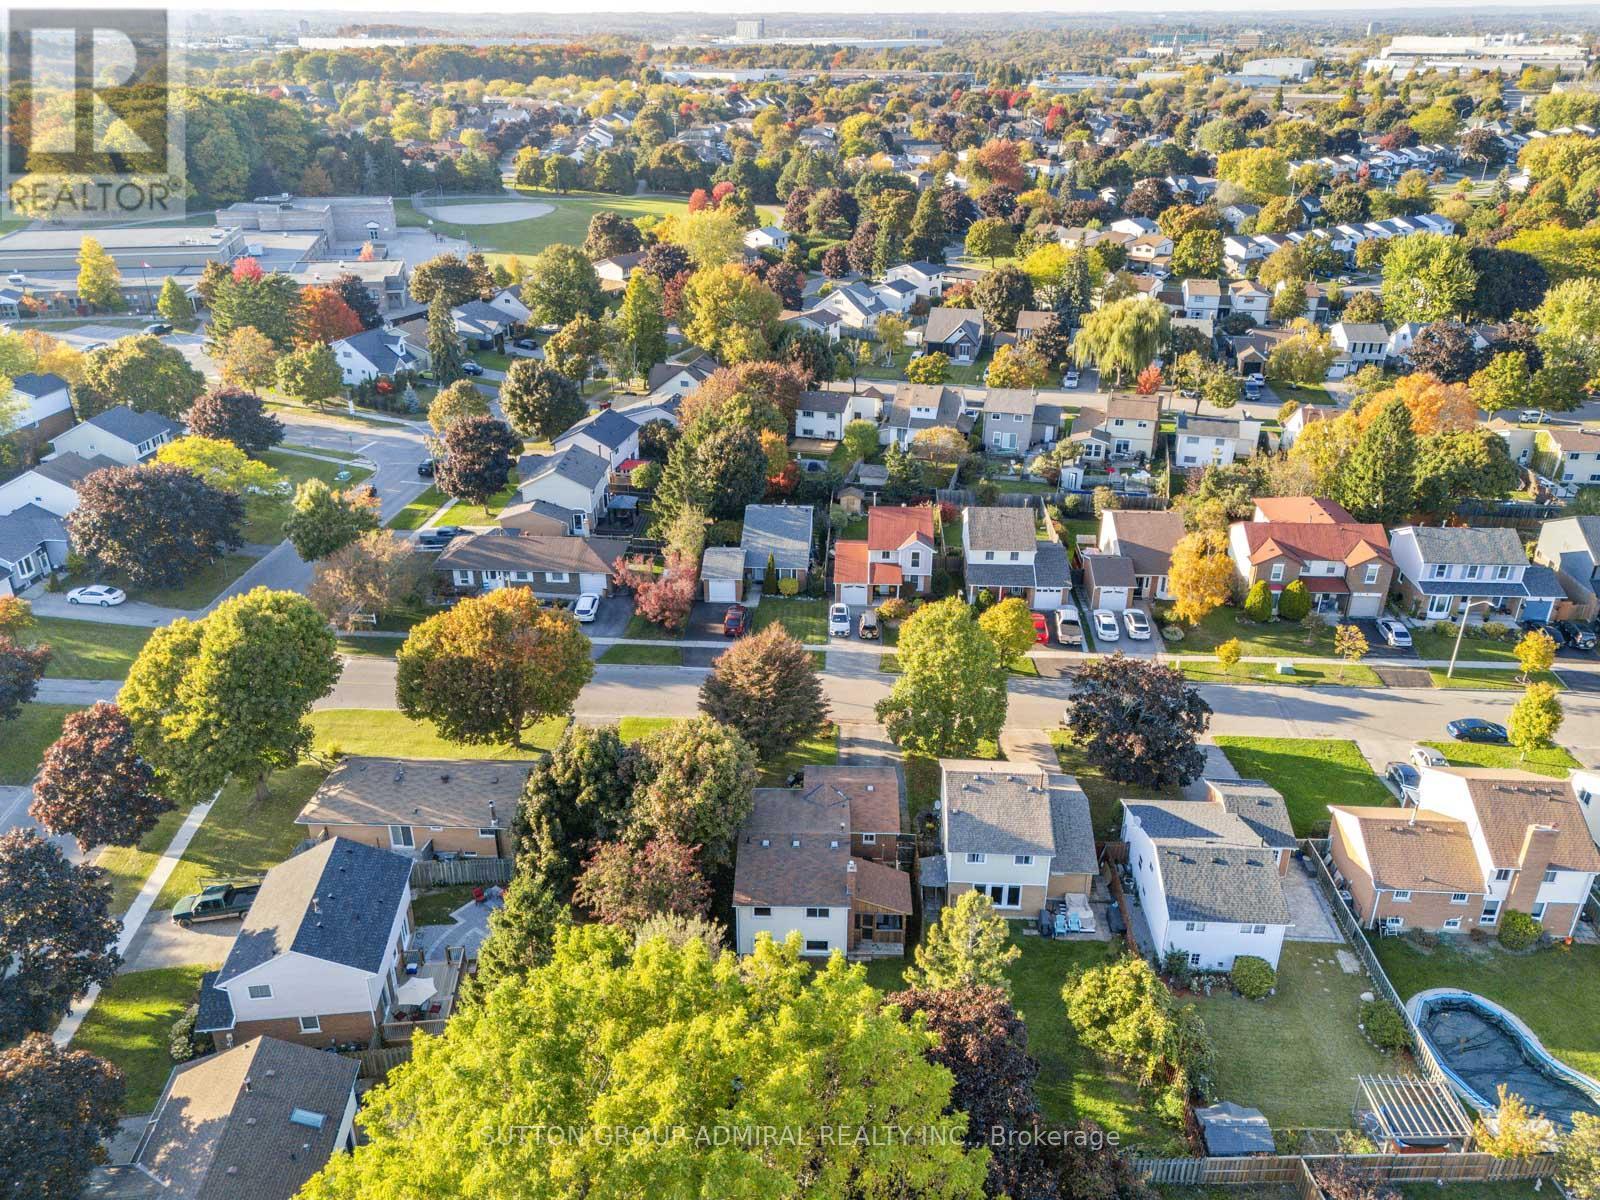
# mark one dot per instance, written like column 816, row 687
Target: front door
column 1439, row 607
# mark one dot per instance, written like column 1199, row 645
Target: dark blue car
column 1476, row 729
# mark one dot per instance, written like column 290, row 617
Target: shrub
column 1518, row 930
column 789, row 586
column 1498, row 631
column 727, row 532
column 1295, row 602
column 1258, row 604
column 181, row 1043
column 1448, row 628
column 1176, row 966
column 645, row 475
column 894, row 609
column 1230, row 652
column 1384, row 1026
column 1252, row 977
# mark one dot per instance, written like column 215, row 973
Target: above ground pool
column 1481, row 1046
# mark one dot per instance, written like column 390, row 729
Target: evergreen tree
column 444, row 344
column 926, row 241
column 171, row 303
column 1378, row 481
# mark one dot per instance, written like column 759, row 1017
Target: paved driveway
column 161, row 943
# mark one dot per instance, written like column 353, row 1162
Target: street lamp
column 1465, row 613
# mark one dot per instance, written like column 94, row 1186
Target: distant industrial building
column 1507, row 52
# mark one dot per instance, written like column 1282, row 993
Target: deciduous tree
column 478, row 456
column 325, row 317
column 766, row 686
column 221, row 464
column 156, row 525
column 99, row 280
column 1138, row 721
column 1009, row 625
column 446, row 275
column 1427, row 277
column 951, row 692
column 1200, row 576
column 626, row 884
column 141, row 372
column 541, row 402
column 1122, row 337
column 56, row 1108
column 322, row 520
column 731, row 313
column 236, row 416
column 694, row 780
column 561, row 284
column 94, row 785
column 1535, row 719
column 374, row 575
column 247, row 358
column 1536, row 652
column 461, row 399
column 311, row 374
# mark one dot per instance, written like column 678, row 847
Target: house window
column 1438, row 571
column 817, row 914
column 1194, row 960
column 988, row 556
column 1503, row 874
column 869, row 839
column 1402, row 897
column 817, row 946
column 761, row 910
column 1491, row 912
column 1002, row 895
column 1458, row 897
column 260, row 991
column 1550, row 876
column 310, row 1024
column 1453, row 923
column 1372, row 573
column 1502, row 572
column 555, row 576
column 1394, row 922
column 486, row 833
column 973, row 857
column 1277, row 572
column 1473, row 571
column 1257, row 929
column 1194, row 926
column 1537, row 911
column 400, row 835
column 1015, row 555
column 1023, row 860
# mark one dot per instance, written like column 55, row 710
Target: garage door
column 720, row 590
column 1366, row 604
column 853, row 593
column 1047, row 599
column 1537, row 610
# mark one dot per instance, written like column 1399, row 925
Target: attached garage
column 722, row 574
column 722, row 590
column 853, row 593
column 1046, row 599
column 1366, row 604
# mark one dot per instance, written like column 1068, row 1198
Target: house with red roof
column 1345, row 564
column 895, row 560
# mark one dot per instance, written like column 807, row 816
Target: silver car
column 1106, row 628
column 1138, row 624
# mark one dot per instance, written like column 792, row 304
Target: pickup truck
column 215, row 902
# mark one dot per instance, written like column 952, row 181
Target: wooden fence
column 444, row 872
column 1387, row 1168
column 375, row 1064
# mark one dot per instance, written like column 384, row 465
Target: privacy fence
column 1296, row 1170
column 445, row 872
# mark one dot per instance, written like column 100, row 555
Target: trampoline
column 1481, row 1046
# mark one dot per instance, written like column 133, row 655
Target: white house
column 679, row 379
column 1202, row 299
column 1363, row 344
column 1213, row 441
column 121, row 434
column 571, row 478
column 925, row 278
column 895, row 560
column 376, row 354
column 1249, row 299
column 47, row 407
column 606, row 434
column 823, row 415
column 1208, row 882
column 509, row 302
column 768, row 237
column 51, row 484
column 1006, row 557
column 1444, row 570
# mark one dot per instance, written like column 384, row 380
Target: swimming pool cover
column 1484, row 1052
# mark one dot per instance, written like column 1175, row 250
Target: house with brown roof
column 1480, row 841
column 1345, row 565
column 1300, row 510
column 419, row 807
column 1125, row 428
column 819, row 860
column 895, row 560
column 252, row 1123
column 552, row 567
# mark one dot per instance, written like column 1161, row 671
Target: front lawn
column 1432, row 645
column 462, row 513
column 1302, row 393
column 1490, row 679
column 1553, row 989
column 88, row 649
column 643, row 656
column 1273, row 639
column 24, row 740
column 265, row 515
column 1555, row 762
column 632, row 729
column 201, row 588
column 821, row 750
column 415, row 514
column 1309, row 772
column 1305, row 674
column 1105, row 794
column 131, row 1026
column 129, row 866
column 638, row 628
column 804, row 618
column 1022, row 665
column 385, row 731
column 1295, row 1055
column 382, row 646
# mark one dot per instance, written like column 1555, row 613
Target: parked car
column 1426, row 756
column 868, row 629
column 103, row 595
column 736, row 621
column 158, row 328
column 839, row 621
column 525, row 344
column 1579, row 637
column 471, row 368
column 1395, row 632
column 438, row 537
column 1069, row 627
column 1106, row 628
column 1405, row 778
column 1041, row 629
column 1554, row 632
column 1534, row 415
column 1476, row 729
column 1138, row 624
column 1070, row 380
column 215, row 903
column 426, row 467
column 587, row 608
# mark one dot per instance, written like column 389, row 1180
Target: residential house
column 1006, row 557
column 768, row 237
column 318, row 958
column 618, row 269
column 856, row 304
column 1202, row 299
column 33, row 542
column 1150, row 252
column 51, row 484
column 508, row 301
column 1208, row 882
column 1478, row 842
column 895, row 560
column 1568, row 456
column 1302, row 416
column 1250, row 351
column 1030, row 321
column 1260, row 806
column 571, row 478
column 1008, row 421
column 378, row 354
column 1247, row 298
column 722, row 574
column 606, row 434
column 781, row 533
column 958, row 333
column 122, row 434
column 925, row 278
column 1109, row 580
column 1358, row 345
column 919, row 406
column 1473, row 573
column 1300, row 510
column 1347, row 566
column 46, row 410
column 823, row 415
column 552, row 567
column 679, row 379
column 1124, row 429
column 1207, row 441
column 1146, row 539
column 1019, row 834
column 1570, row 546
column 482, row 325
column 255, row 1121
column 419, row 807
column 823, row 322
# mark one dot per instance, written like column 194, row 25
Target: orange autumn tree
column 1435, row 406
column 324, row 317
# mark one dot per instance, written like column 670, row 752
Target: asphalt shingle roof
column 1000, row 529
column 571, row 462
column 23, row 529
column 1001, row 809
column 1221, row 883
column 132, row 426
column 1457, row 544
column 782, row 531
column 1259, row 806
column 460, row 793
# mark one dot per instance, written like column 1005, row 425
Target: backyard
column 131, row 1026
column 1296, row 1054
column 1308, row 772
column 88, row 649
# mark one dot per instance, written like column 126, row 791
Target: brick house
column 895, row 560
column 1346, row 565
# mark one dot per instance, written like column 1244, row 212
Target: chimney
column 316, row 906
column 247, row 1084
column 1538, row 847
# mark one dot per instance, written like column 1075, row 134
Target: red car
column 1041, row 629
column 736, row 621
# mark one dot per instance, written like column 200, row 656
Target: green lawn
column 1436, row 646
column 956, row 375
column 1021, row 665
column 201, row 588
column 643, row 656
column 1295, row 1055
column 922, row 777
column 129, row 866
column 265, row 515
column 24, row 740
column 419, row 510
column 1276, row 639
column 568, row 223
column 1305, row 674
column 131, row 1025
column 286, row 450
column 804, row 618
column 1553, row 989
column 631, row 729
column 372, row 647
column 1073, row 1083
column 434, row 906
column 1304, row 393
column 1490, row 679
column 89, row 649
column 819, row 751
column 638, row 628
column 1310, row 772
column 1105, row 795
column 1555, row 762
column 382, row 731
column 462, row 513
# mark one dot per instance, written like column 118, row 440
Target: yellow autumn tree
column 1200, row 576
column 1435, row 406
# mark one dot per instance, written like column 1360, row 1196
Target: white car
column 839, row 621
column 1138, row 624
column 1106, row 628
column 1426, row 756
column 1395, row 633
column 587, row 607
column 1070, row 380
column 1533, row 416
column 98, row 593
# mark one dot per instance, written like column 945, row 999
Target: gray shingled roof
column 355, row 889
column 722, row 562
column 1051, row 566
column 507, row 550
column 782, row 531
column 23, row 529
column 133, row 427
column 1108, row 570
column 1488, row 547
column 458, row 793
column 1000, row 529
column 608, row 427
column 34, row 386
column 216, row 1009
column 1190, row 820
column 1259, row 805
column 982, row 574
column 1221, row 883
column 946, row 324
column 570, row 462
column 1018, row 811
column 70, row 468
